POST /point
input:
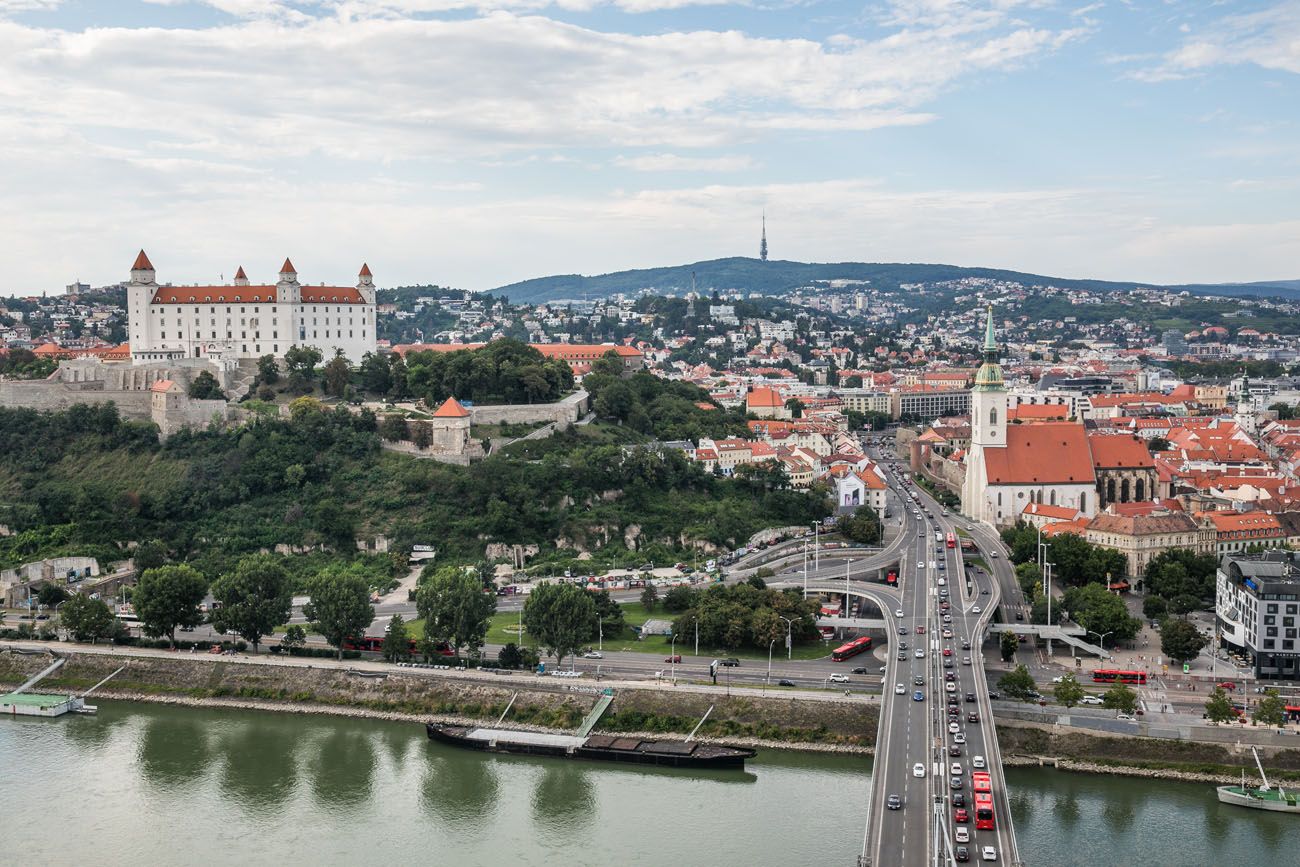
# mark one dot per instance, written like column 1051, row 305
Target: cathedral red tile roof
column 1037, row 454
column 1119, row 451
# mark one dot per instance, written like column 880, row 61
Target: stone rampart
column 565, row 412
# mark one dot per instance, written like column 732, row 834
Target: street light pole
column 769, row 663
column 672, row 655
column 600, row 633
column 817, row 551
column 1101, row 638
column 789, row 633
column 847, row 564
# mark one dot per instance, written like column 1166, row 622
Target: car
column 947, row 618
column 838, row 678
column 950, row 675
column 947, row 633
column 730, row 663
column 965, row 645
column 920, row 630
column 947, row 651
column 947, row 663
column 984, row 592
column 994, row 695
column 954, row 751
column 950, row 686
column 953, row 728
column 961, row 834
column 993, row 554
column 902, row 630
column 958, row 800
column 970, row 696
column 894, row 802
column 944, row 606
column 972, row 717
column 920, row 653
column 961, row 853
column 975, row 609
column 902, row 654
column 955, row 783
column 943, row 594
column 593, row 654
column 1020, row 615
column 1091, row 699
column 977, row 763
column 941, row 581
column 674, row 658
column 956, row 769
column 960, row 815
column 920, row 564
column 918, row 770
column 898, row 612
column 858, row 670
column 943, row 566
column 899, row 689
column 918, row 680
column 1126, row 716
column 1060, row 678
column 1228, row 685
column 954, row 713
column 965, row 660
column 903, row 645
column 959, row 738
column 918, row 696
column 988, row 853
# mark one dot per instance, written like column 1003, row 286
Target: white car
column 988, row 853
column 920, row 564
column 918, row 770
column 963, row 834
column 957, row 770
column 958, row 738
column 950, row 686
column 898, row 689
column 1091, row 699
column 975, row 609
column 954, row 729
column 1060, row 678
column 898, row 613
column 920, row 654
column 977, row 763
column 838, row 678
column 965, row 660
column 1126, row 716
column 941, row 581
column 593, row 654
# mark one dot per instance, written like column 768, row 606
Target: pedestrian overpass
column 1067, row 634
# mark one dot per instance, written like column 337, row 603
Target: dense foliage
column 503, row 371
column 665, row 409
column 1075, row 560
column 25, row 364
column 85, row 481
column 745, row 615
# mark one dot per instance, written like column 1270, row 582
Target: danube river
column 142, row 784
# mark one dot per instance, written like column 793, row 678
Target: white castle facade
column 228, row 323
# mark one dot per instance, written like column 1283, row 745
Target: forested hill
column 753, row 275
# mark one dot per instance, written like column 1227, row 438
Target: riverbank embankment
column 420, row 695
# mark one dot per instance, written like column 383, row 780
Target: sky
column 472, row 143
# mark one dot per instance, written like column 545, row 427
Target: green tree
column 397, row 643
column 649, row 597
column 50, row 595
column 560, row 617
column 87, row 619
column 1068, row 691
column 337, row 373
column 455, row 608
column 294, row 636
column 206, row 387
column 1184, row 604
column 1158, row 444
column 1007, row 645
column 150, row 555
column 609, row 615
column 1285, row 411
column 862, row 527
column 1095, row 608
column 1119, row 697
column 1218, row 707
column 1030, row 578
column 421, row 436
column 1018, row 684
column 528, row 658
column 268, row 370
column 509, row 657
column 303, row 360
column 1269, row 710
column 167, row 598
column 1180, row 640
column 1154, row 607
column 393, row 428
column 255, row 598
column 339, row 606
column 678, row 599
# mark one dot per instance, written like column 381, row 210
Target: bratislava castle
column 247, row 321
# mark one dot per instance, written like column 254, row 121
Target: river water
column 142, row 784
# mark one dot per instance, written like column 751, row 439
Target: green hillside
column 753, row 275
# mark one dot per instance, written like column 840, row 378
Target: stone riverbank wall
column 554, row 704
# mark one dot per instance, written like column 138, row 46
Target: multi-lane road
column 916, row 731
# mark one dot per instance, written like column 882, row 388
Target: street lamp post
column 770, row 644
column 817, row 562
column 672, row 655
column 1101, row 638
column 600, row 633
column 57, row 621
column 789, row 634
column 847, row 564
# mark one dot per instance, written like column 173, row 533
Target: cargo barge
column 602, row 748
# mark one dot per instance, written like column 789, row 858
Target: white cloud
column 666, row 162
column 1269, row 39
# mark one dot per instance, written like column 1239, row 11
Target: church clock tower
column 988, row 427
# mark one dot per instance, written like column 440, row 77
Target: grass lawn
column 504, row 625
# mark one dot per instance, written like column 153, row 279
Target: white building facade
column 246, row 321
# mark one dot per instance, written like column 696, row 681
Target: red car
column 1228, row 685
column 677, row 659
column 920, row 630
column 960, row 815
column 947, row 651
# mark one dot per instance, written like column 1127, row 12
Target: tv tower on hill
column 762, row 245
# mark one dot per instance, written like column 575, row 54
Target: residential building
column 1141, row 537
column 1257, row 609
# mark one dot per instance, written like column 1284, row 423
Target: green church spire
column 989, row 376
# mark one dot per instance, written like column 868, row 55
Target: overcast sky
column 473, row 143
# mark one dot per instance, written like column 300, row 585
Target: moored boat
column 605, row 748
column 1265, row 797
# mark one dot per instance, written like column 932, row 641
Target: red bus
column 891, row 579
column 952, row 540
column 375, row 644
column 852, row 649
column 982, row 781
column 984, row 820
column 1118, row 675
